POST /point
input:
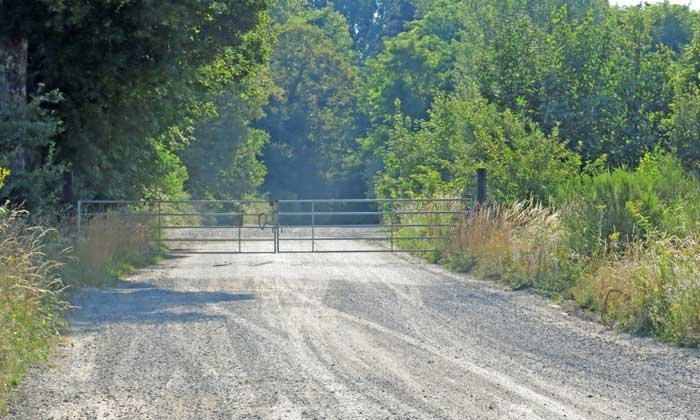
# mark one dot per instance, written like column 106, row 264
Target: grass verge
column 31, row 296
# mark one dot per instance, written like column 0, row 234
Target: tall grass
column 110, row 246
column 31, row 300
column 36, row 268
column 423, row 225
column 653, row 286
column 519, row 244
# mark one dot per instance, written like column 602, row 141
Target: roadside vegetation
column 31, row 294
column 622, row 242
column 108, row 248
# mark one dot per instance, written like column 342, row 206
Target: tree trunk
column 13, row 85
column 13, row 69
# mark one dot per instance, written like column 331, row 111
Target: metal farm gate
column 279, row 227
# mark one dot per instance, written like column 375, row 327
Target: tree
column 224, row 162
column 311, row 121
column 511, row 64
column 465, row 132
column 672, row 25
column 414, row 66
column 27, row 131
column 135, row 76
column 372, row 21
column 683, row 124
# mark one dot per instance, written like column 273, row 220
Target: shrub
column 624, row 243
column 464, row 132
column 27, row 148
column 3, row 174
column 626, row 205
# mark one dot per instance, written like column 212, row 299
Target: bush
column 27, row 148
column 626, row 205
column 30, row 296
column 464, row 132
column 3, row 174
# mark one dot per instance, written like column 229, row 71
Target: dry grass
column 30, row 296
column 518, row 244
column 108, row 246
column 654, row 286
column 32, row 278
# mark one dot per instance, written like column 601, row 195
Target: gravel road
column 344, row 336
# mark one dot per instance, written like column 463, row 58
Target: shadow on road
column 145, row 303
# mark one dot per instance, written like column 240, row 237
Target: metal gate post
column 160, row 225
column 391, row 218
column 392, row 235
column 80, row 215
column 313, row 227
column 276, row 220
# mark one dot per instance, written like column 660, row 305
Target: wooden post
column 481, row 186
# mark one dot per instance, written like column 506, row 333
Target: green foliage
column 625, row 205
column 461, row 262
column 596, row 77
column 465, row 132
column 622, row 242
column 311, row 119
column 3, row 174
column 136, row 77
column 371, row 21
column 684, row 128
column 683, row 125
column 648, row 286
column 592, row 108
column 225, row 160
column 511, row 65
column 413, row 66
column 655, row 286
column 27, row 149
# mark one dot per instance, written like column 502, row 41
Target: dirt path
column 344, row 336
